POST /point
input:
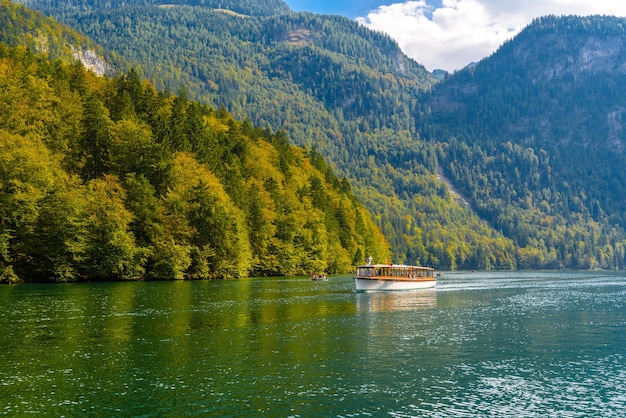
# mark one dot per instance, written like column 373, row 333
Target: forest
column 537, row 147
column 332, row 85
column 530, row 139
column 106, row 178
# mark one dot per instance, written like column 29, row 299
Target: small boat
column 373, row 277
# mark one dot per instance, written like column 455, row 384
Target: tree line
column 110, row 179
column 334, row 86
column 530, row 142
column 533, row 138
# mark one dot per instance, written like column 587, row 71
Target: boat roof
column 396, row 266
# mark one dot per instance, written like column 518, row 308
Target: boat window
column 366, row 271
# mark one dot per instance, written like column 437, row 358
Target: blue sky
column 449, row 34
column 348, row 8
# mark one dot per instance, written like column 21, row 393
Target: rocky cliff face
column 593, row 55
column 92, row 61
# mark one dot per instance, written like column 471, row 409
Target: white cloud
column 461, row 31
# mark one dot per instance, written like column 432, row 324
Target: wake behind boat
column 372, row 277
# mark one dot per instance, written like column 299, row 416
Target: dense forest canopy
column 107, row 178
column 515, row 162
column 22, row 26
column 243, row 7
column 333, row 85
column 533, row 136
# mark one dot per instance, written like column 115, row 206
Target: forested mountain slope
column 243, row 7
column 107, row 178
column 24, row 27
column 534, row 137
column 330, row 83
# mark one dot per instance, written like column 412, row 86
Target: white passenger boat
column 374, row 277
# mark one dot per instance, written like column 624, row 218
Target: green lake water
column 480, row 344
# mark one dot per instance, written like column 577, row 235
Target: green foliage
column 535, row 145
column 59, row 244
column 133, row 185
column 333, row 85
column 328, row 82
column 27, row 175
column 111, row 251
column 33, row 30
column 532, row 138
column 242, row 7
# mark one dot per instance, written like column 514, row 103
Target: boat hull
column 384, row 284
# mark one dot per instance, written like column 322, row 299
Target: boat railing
column 405, row 272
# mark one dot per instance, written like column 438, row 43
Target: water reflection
column 396, row 301
column 488, row 344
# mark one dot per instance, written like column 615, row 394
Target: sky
column 449, row 34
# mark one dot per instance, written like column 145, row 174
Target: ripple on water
column 518, row 388
column 500, row 344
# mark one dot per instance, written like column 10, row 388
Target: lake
column 480, row 344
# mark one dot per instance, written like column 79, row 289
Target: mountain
column 533, row 137
column 26, row 28
column 106, row 178
column 332, row 84
column 512, row 162
column 241, row 7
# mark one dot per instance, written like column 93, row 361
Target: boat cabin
column 395, row 271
